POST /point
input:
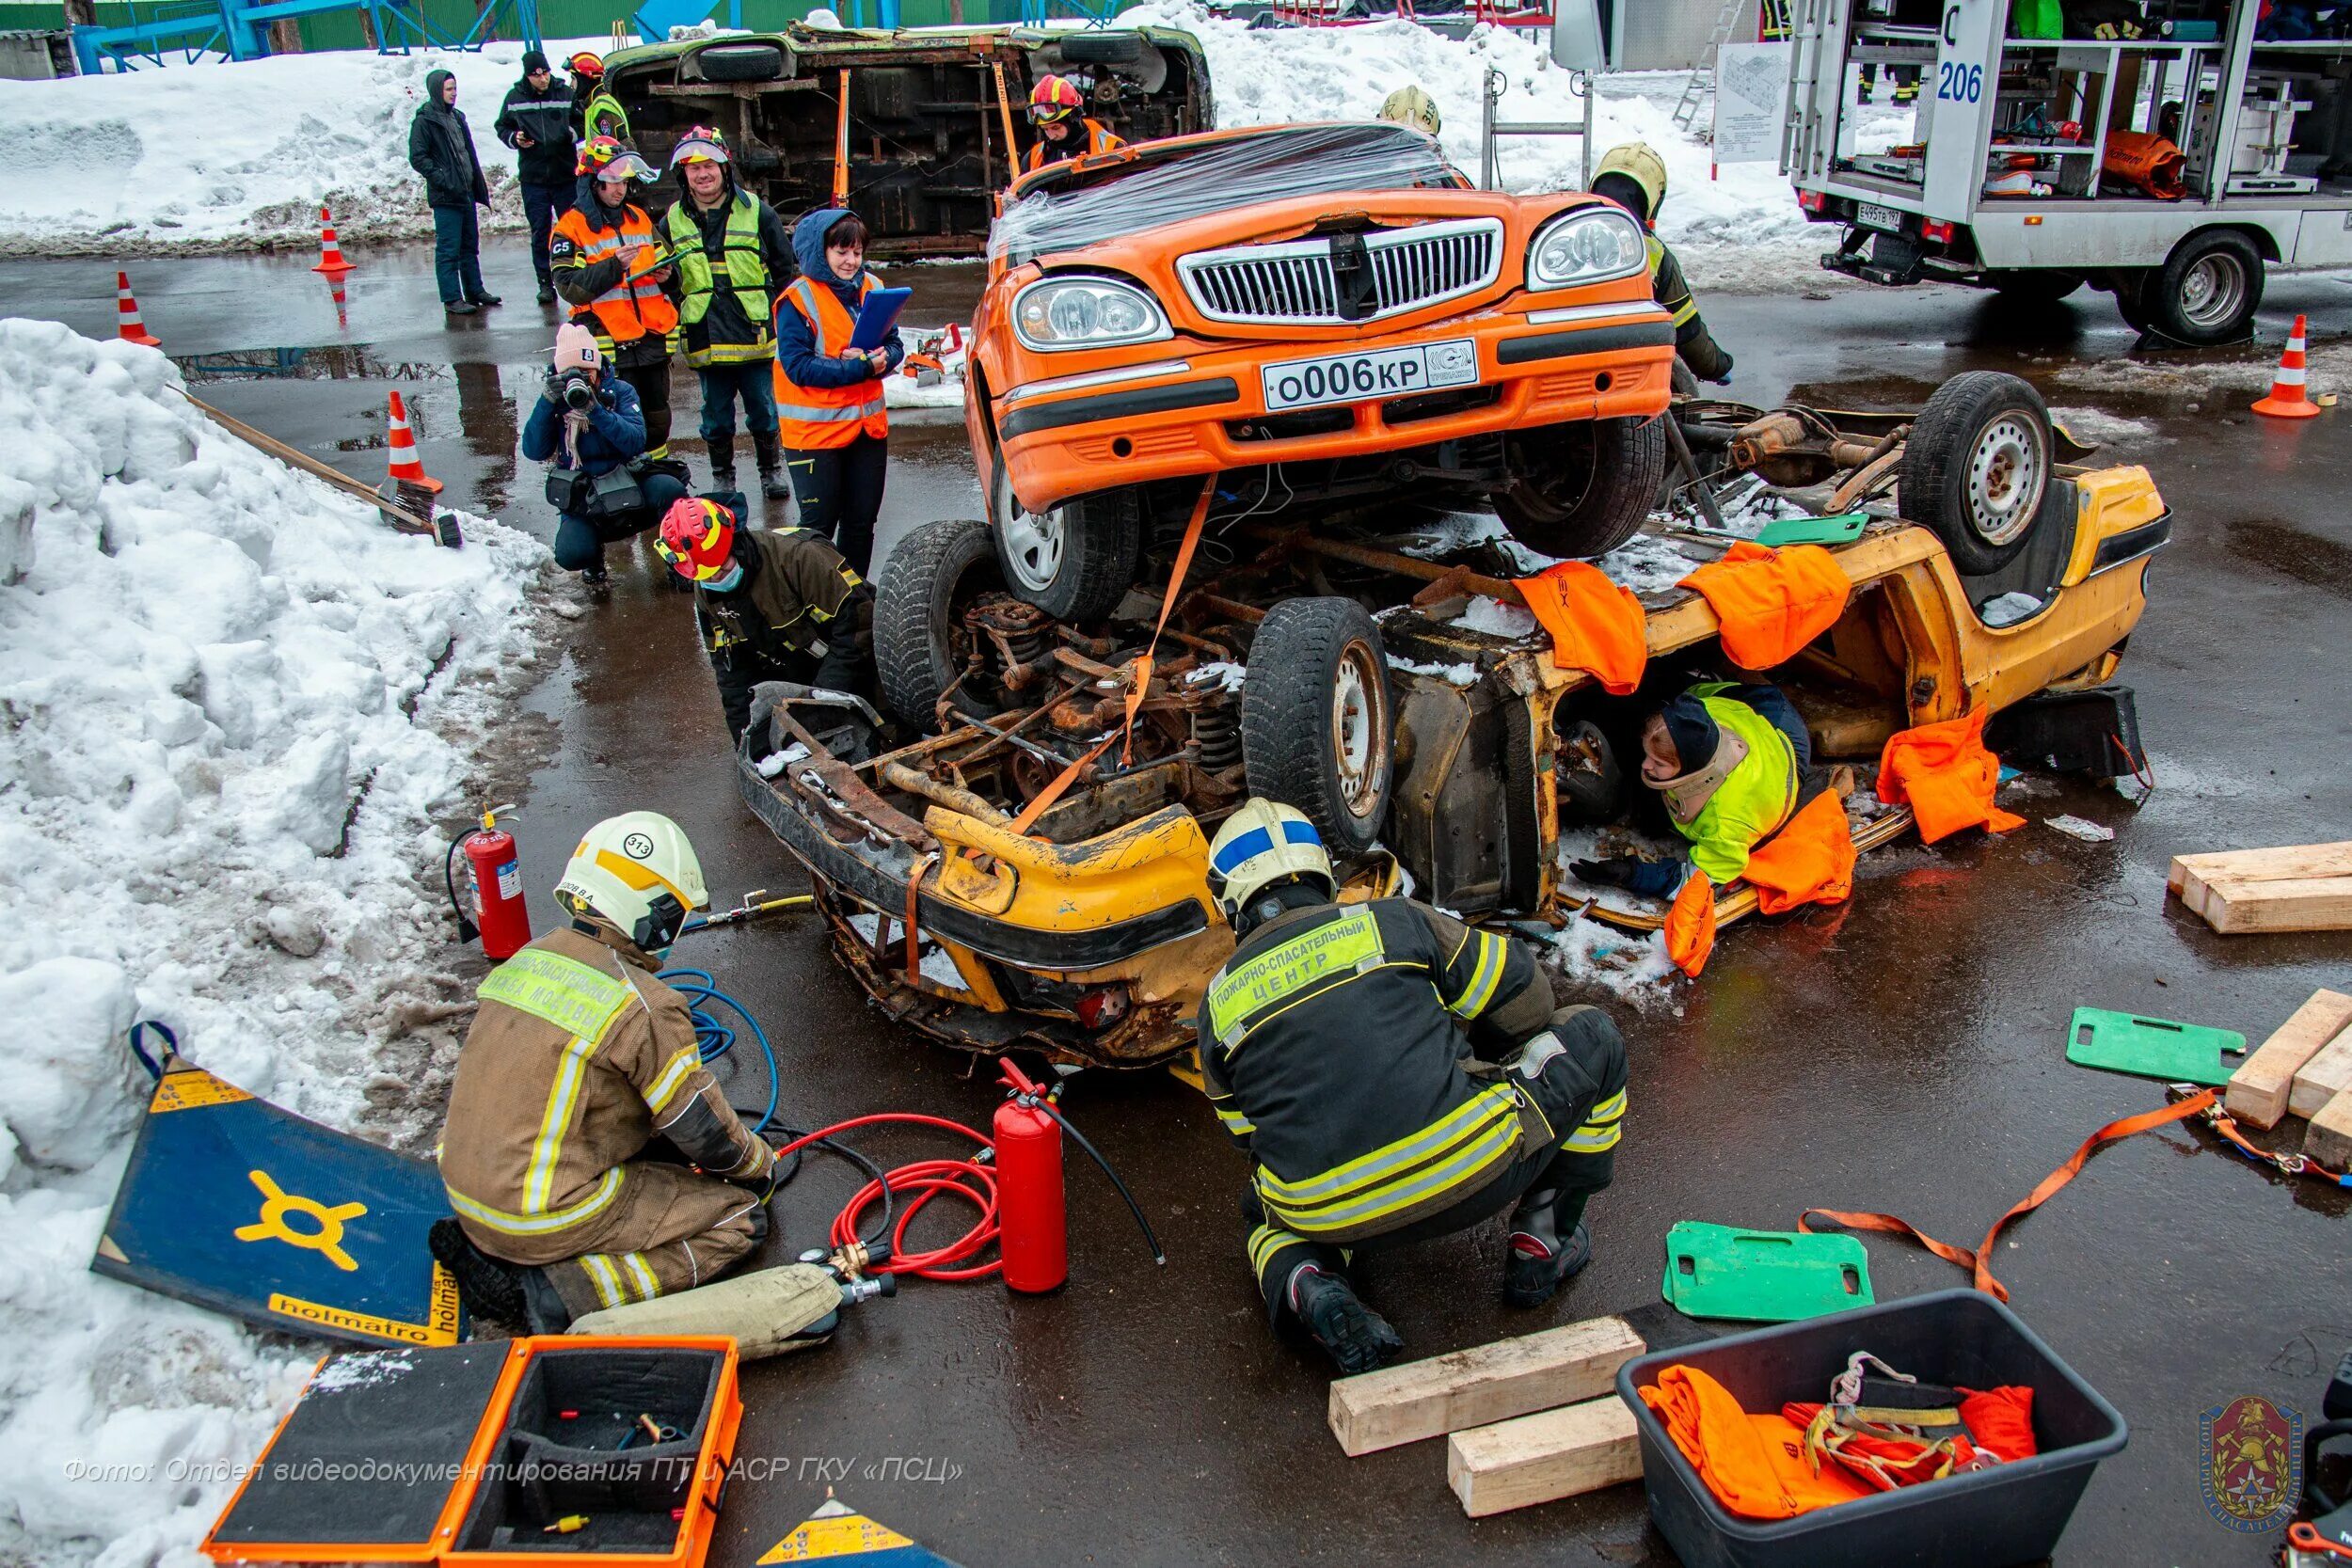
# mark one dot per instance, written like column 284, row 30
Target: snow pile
column 222, row 683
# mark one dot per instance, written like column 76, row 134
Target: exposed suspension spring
column 1217, row 730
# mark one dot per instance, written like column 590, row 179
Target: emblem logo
column 2251, row 1457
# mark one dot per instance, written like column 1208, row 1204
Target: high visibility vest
column 746, row 278
column 1098, row 140
column 633, row 307
column 604, row 117
column 811, row 418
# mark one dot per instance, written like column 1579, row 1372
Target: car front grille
column 1345, row 278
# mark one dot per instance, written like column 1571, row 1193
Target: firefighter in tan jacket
column 578, row 1060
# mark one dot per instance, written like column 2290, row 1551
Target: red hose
column 974, row 1180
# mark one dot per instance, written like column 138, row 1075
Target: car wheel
column 1583, row 489
column 920, row 599
column 2130, row 285
column 1318, row 720
column 2207, row 289
column 2031, row 286
column 1075, row 560
column 1976, row 466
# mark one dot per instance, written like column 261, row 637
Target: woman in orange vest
column 599, row 254
column 829, row 396
column 1061, row 133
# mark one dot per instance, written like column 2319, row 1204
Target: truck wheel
column 1583, row 489
column 1976, row 466
column 919, row 598
column 2207, row 289
column 1075, row 561
column 2029, row 287
column 1317, row 722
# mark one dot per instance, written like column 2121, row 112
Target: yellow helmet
column 1639, row 161
column 1263, row 843
column 638, row 872
column 1411, row 106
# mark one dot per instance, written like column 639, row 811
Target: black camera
column 574, row 389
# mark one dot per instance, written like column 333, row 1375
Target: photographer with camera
column 587, row 426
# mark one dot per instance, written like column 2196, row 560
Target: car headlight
column 1588, row 245
column 1085, row 312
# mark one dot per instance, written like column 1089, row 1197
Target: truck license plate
column 1379, row 373
column 1871, row 215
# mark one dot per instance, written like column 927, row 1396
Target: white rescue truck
column 2029, row 167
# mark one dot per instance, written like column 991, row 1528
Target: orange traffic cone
column 330, row 252
column 408, row 469
column 2288, row 398
column 127, row 324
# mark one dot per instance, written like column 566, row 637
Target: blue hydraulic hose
column 715, row 1038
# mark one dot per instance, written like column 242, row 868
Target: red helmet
column 1054, row 98
column 698, row 538
column 702, row 144
column 586, row 64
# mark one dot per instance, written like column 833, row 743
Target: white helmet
column 1264, row 841
column 638, row 872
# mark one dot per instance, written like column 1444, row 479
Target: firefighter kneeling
column 1394, row 1075
column 578, row 1061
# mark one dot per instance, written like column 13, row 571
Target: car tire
column 1975, row 468
column 1318, row 719
column 1587, row 488
column 928, row 577
column 1075, row 561
column 2130, row 284
column 1108, row 46
column 2207, row 291
column 2031, row 287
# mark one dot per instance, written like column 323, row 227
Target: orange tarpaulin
column 1595, row 625
column 1691, row 925
column 1771, row 602
column 1808, row 861
column 1754, row 1465
column 1948, row 777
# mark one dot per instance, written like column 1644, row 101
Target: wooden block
column 1483, row 1384
column 2235, row 907
column 2258, row 1089
column 2328, row 1074
column 2328, row 1138
column 2293, row 860
column 1540, row 1458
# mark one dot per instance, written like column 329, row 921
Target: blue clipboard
column 877, row 315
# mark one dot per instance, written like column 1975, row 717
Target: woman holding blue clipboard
column 836, row 338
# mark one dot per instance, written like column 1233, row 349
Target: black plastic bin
column 2009, row 1515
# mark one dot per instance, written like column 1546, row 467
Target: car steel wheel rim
column 2005, row 477
column 2212, row 291
column 1360, row 742
column 1033, row 543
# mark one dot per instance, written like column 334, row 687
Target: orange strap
column 1167, row 603
column 1975, row 1262
column 1595, row 625
column 1051, row 792
column 841, row 148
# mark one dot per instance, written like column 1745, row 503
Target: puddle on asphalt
column 2317, row 562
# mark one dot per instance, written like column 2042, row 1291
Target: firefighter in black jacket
column 1394, row 1075
column 773, row 605
column 1634, row 176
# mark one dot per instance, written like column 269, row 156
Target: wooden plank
column 1544, row 1457
column 2293, row 860
column 2258, row 1089
column 2236, row 908
column 2328, row 1074
column 2328, row 1138
column 1483, row 1384
column 399, row 518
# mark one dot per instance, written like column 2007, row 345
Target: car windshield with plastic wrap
column 1065, row 207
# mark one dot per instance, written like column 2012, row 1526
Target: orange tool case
column 466, row 1455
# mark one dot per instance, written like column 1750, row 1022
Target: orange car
column 1317, row 315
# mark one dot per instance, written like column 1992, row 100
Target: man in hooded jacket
column 536, row 121
column 440, row 148
column 831, row 418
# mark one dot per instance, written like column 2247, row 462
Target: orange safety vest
column 1098, row 140
column 812, row 418
column 635, row 306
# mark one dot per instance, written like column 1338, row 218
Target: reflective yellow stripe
column 666, row 1087
column 571, row 995
column 1461, row 1169
column 1602, row 1128
column 1491, row 1106
column 610, row 1290
column 1686, row 312
column 831, row 413
column 1235, row 1121
column 648, row 1285
column 1288, row 967
column 539, row 1175
column 1484, row 977
column 1266, row 1241
column 500, row 1220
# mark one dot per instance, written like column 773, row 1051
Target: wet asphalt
column 1901, row 1052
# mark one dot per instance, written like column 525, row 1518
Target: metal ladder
column 1702, row 78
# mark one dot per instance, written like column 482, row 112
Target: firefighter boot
column 721, row 462
column 1541, row 1259
column 1357, row 1338
column 768, row 452
column 505, row 1293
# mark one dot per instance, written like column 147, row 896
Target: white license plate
column 1869, row 215
column 1378, row 373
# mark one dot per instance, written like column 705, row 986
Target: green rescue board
column 1844, row 528
column 2151, row 1047
column 1762, row 1276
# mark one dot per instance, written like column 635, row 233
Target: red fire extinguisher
column 495, row 880
column 1032, row 1233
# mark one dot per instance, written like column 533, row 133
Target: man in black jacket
column 440, row 148
column 536, row 121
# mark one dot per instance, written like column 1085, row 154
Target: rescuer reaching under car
column 1633, row 176
column 578, row 1061
column 1394, row 1075
column 771, row 604
column 1061, row 131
